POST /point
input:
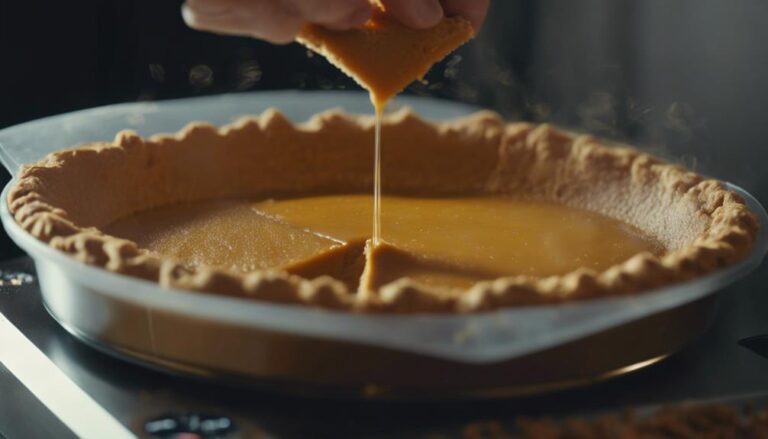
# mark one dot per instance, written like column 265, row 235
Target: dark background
column 683, row 78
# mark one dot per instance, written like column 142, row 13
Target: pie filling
column 447, row 242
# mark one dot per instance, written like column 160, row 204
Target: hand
column 279, row 21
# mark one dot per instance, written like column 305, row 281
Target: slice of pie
column 479, row 213
column 384, row 56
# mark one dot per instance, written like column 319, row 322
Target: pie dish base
column 274, row 362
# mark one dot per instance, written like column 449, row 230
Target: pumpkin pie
column 479, row 214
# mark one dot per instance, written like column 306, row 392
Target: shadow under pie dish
column 128, row 205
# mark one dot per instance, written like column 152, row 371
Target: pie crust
column 68, row 196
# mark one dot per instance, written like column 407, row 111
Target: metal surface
column 61, row 398
column 18, row 402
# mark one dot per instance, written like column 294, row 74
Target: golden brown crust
column 65, row 198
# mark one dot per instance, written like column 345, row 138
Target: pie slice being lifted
column 384, row 56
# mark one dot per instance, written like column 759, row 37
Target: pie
column 479, row 213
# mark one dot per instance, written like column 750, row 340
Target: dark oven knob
column 190, row 426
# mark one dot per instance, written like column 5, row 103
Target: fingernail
column 189, row 17
column 222, row 22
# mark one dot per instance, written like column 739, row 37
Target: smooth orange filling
column 452, row 242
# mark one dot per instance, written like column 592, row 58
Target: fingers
column 418, row 14
column 336, row 14
column 277, row 21
column 265, row 19
column 473, row 10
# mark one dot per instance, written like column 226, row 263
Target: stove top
column 64, row 388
